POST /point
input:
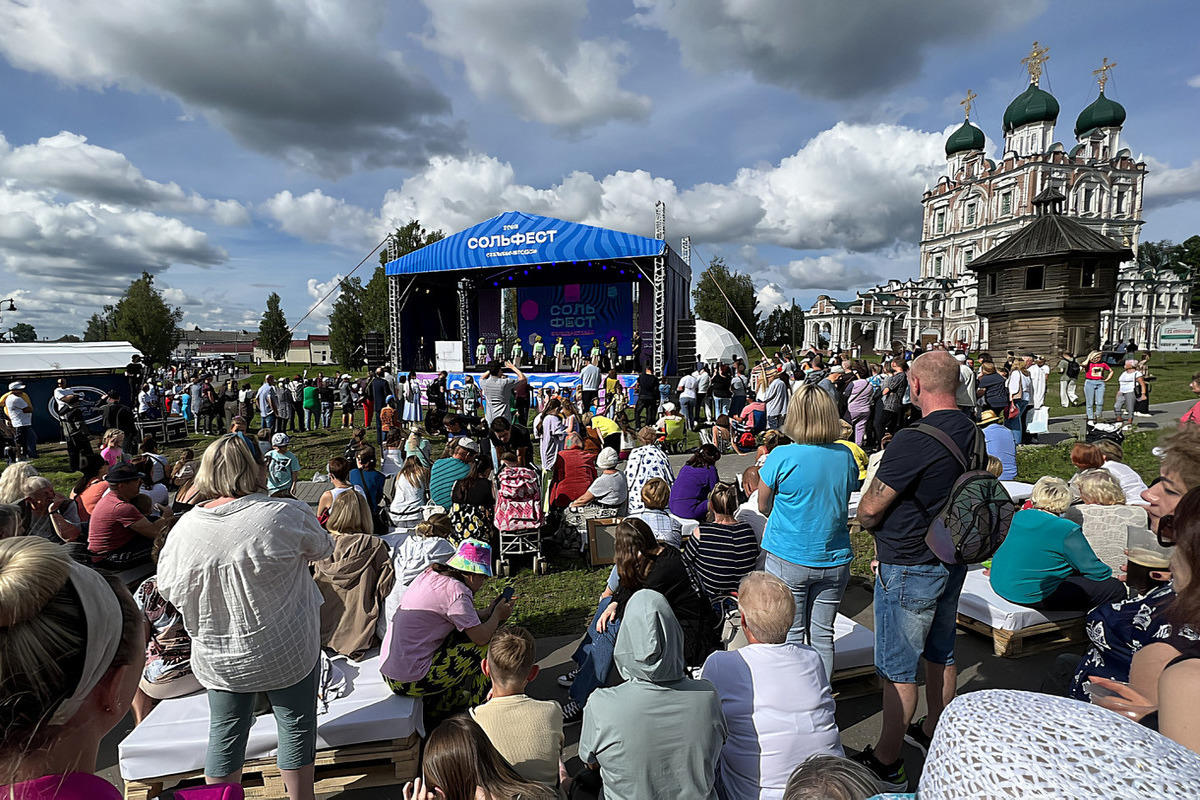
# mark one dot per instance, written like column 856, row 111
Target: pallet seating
column 368, row 737
column 1014, row 630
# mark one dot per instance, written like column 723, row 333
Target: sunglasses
column 1166, row 531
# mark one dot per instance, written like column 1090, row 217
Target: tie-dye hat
column 473, row 556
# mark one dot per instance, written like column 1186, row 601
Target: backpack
column 1072, row 369
column 815, row 376
column 974, row 521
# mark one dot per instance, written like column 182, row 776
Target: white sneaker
column 565, row 681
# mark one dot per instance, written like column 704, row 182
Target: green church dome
column 1031, row 105
column 967, row 137
column 1102, row 113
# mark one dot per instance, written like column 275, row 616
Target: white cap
column 468, row 443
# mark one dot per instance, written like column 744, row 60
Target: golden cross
column 1038, row 55
column 967, row 102
column 1102, row 73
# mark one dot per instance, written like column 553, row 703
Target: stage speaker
column 374, row 348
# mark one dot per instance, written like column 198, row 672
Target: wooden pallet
column 855, row 682
column 388, row 763
column 1027, row 641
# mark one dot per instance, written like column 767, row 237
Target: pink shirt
column 433, row 607
column 72, row 786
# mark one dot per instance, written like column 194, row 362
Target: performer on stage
column 481, row 353
column 498, row 349
column 539, row 352
column 613, row 354
column 560, row 354
column 596, row 352
column 515, row 354
column 576, row 356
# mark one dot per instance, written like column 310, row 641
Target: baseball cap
column 16, row 386
column 468, row 443
column 835, row 369
column 279, row 440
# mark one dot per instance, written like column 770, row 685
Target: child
column 184, row 470
column 112, row 452
column 387, row 415
column 527, row 732
column 282, row 467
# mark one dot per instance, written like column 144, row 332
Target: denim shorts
column 916, row 613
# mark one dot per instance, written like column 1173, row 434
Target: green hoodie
column 659, row 734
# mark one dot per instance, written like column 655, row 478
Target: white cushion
column 979, row 602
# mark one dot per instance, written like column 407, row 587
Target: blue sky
column 239, row 147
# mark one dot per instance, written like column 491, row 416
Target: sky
column 234, row 148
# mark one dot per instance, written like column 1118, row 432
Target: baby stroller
column 519, row 518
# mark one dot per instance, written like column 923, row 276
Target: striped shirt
column 722, row 556
column 442, row 477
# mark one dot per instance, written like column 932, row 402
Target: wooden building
column 1042, row 289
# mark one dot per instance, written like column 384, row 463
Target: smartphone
column 508, row 593
column 1096, row 691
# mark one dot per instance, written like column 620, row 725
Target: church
column 980, row 203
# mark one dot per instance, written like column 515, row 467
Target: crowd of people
column 706, row 669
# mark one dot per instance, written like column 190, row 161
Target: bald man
column 916, row 595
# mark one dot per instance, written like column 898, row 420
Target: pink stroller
column 519, row 518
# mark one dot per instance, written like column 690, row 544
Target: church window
column 1120, row 201
column 991, row 283
column 1035, row 278
column 970, row 213
column 937, row 266
column 958, row 304
column 1088, row 196
column 968, row 255
column 1006, row 202
column 939, row 224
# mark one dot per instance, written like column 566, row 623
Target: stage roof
column 35, row 357
column 514, row 239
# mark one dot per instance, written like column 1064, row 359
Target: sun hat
column 280, row 440
column 123, row 473
column 472, row 556
column 988, row 417
column 607, row 459
column 16, row 386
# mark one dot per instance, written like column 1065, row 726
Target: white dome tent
column 714, row 343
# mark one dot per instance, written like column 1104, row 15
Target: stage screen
column 576, row 311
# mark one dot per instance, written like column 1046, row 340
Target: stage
column 555, row 381
column 517, row 277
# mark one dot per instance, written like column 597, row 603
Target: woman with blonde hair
column 355, row 580
column 12, row 481
column 72, row 641
column 264, row 637
column 410, row 493
column 805, row 495
column 1046, row 562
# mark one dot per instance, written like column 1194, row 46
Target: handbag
column 1039, row 420
column 1012, row 411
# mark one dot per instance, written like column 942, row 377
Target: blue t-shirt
column 1002, row 445
column 280, row 467
column 811, row 484
column 372, row 482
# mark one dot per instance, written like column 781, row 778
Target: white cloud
column 317, row 217
column 826, row 273
column 853, row 187
column 1166, row 185
column 318, row 290
column 308, row 81
column 833, row 50
column 1194, row 82
column 528, row 54
column 67, row 164
column 770, row 297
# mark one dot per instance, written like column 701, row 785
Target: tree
column 142, row 318
column 68, row 338
column 710, row 305
column 99, row 326
column 346, row 325
column 782, row 325
column 410, row 237
column 274, row 336
column 23, row 332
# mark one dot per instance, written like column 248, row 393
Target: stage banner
column 575, row 311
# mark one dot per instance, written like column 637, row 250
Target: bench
column 1015, row 630
column 368, row 737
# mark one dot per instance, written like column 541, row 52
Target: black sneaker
column 566, row 680
column 573, row 712
column 891, row 777
column 915, row 735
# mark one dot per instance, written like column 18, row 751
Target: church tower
column 1030, row 117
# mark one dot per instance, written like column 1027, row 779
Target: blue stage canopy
column 517, row 239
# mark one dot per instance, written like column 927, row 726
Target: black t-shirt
column 669, row 577
column 518, row 438
column 647, row 386
column 922, row 472
column 720, row 386
column 995, row 394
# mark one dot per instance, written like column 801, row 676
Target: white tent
column 43, row 357
column 714, row 343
